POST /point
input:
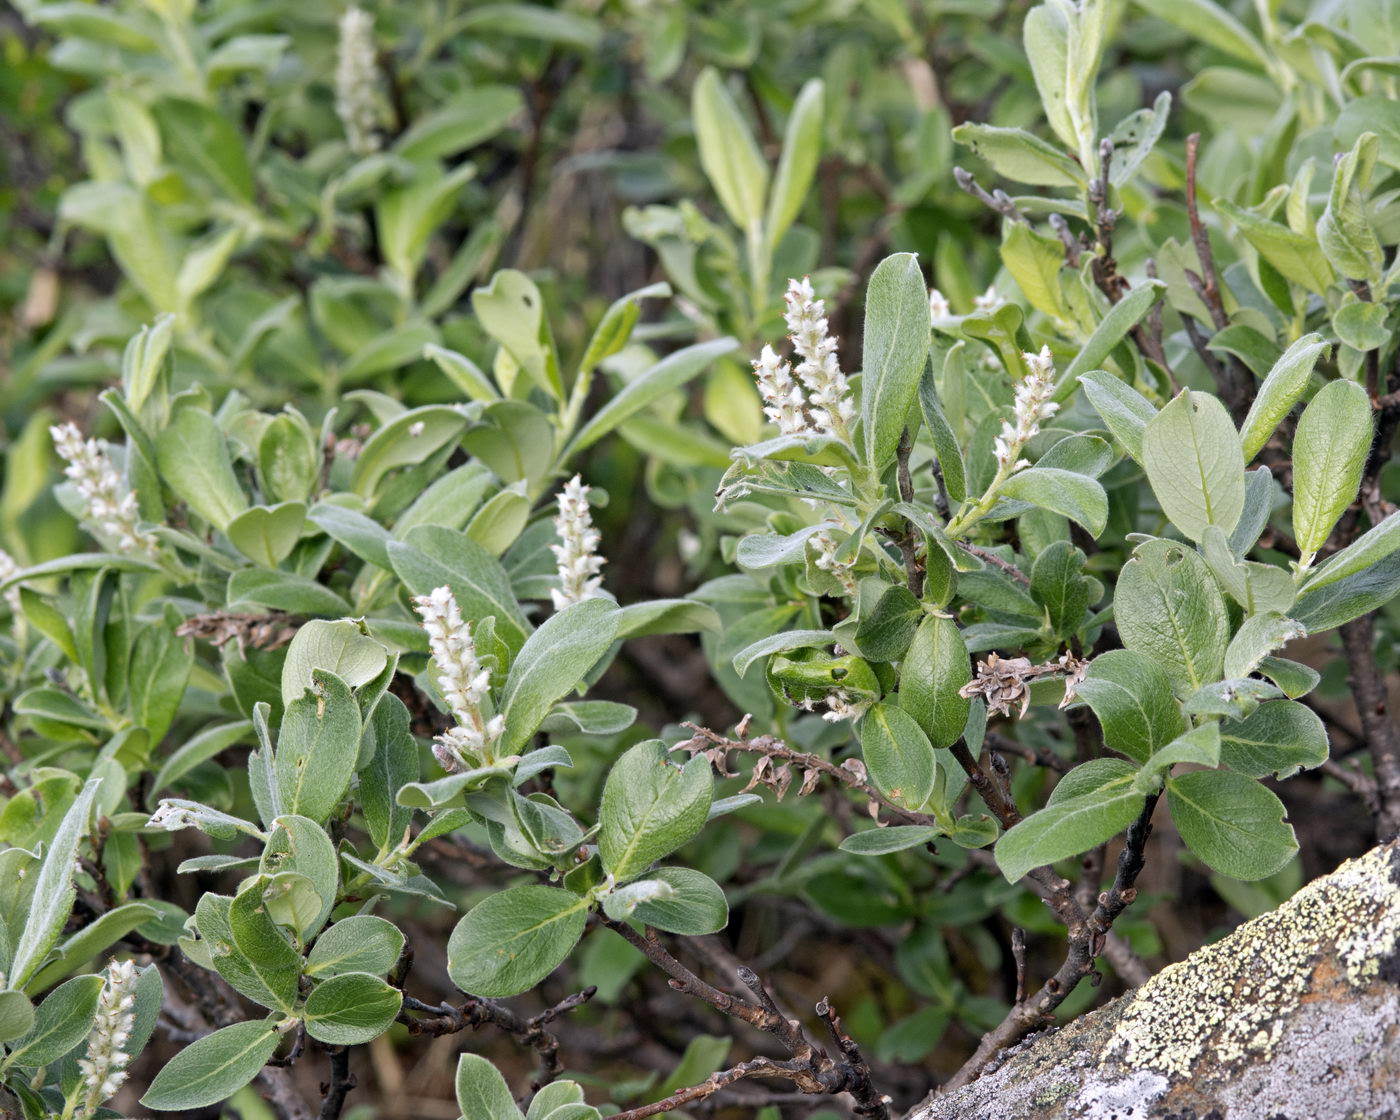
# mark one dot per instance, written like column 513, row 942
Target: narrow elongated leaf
column 897, row 326
column 728, row 153
column 53, row 889
column 669, row 374
column 1068, row 827
column 1370, row 548
column 551, row 663
column 934, row 671
column 1282, row 389
column 194, row 462
column 802, row 149
column 1122, row 317
column 1329, row 453
column 897, row 755
column 1195, row 465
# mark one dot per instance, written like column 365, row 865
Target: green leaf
column 53, row 893
column 462, row 372
column 1345, row 231
column 1324, row 608
column 284, row 591
column 462, row 122
column 194, row 462
column 728, row 153
column 213, row 1068
column 1211, row 23
column 339, row 647
column 1132, row 696
column 482, row 1093
column 934, row 671
column 1195, row 465
column 1068, row 827
column 1200, row 747
column 1257, row 637
column 887, row 624
column 896, row 347
column 1282, row 389
column 650, row 808
column 1296, row 256
column 202, row 140
column 1370, row 548
column 156, row 679
column 1234, row 698
column 781, row 642
column 409, row 438
column 432, row 556
column 667, row 375
column 317, row 747
column 1361, row 325
column 1076, row 496
column 1034, row 261
column 882, row 841
column 90, row 941
column 945, row 443
column 1059, row 586
column 512, row 940
column 1167, row 605
column 1329, row 454
column 300, row 845
column 350, row 1008
column 1279, row 739
column 677, row 900
column 64, row 1019
column 551, row 663
column 1124, row 411
column 1232, row 822
column 802, row 149
column 262, row 950
column 1022, row 157
column 267, row 534
column 1122, row 317
column 359, row 943
column 17, row 1014
column 897, row 755
column 665, row 616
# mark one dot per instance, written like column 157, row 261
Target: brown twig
column 848, row 775
column 1087, row 941
column 342, row 1081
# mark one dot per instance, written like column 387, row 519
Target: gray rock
column 1293, row 1016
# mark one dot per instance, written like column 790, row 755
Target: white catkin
column 783, row 400
column 576, row 554
column 989, row 300
column 828, row 391
column 825, row 547
column 1033, row 404
column 463, row 682
column 357, row 81
column 111, row 508
column 938, row 305
column 104, row 1066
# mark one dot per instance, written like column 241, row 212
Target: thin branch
column 998, row 201
column 1086, row 942
column 342, row 1081
column 444, row 1018
column 1371, row 696
column 848, row 775
column 995, row 561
